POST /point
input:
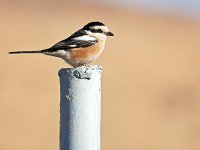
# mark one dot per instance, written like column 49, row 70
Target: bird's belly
column 81, row 56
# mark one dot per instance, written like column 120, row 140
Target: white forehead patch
column 103, row 28
column 85, row 38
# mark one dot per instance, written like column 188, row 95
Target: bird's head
column 98, row 30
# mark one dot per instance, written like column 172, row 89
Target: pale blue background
column 190, row 8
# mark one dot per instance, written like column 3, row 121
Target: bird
column 81, row 48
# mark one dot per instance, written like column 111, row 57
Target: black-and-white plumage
column 80, row 48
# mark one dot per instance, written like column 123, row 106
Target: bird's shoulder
column 78, row 34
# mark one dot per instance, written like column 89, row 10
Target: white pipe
column 80, row 108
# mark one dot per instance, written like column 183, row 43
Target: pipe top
column 82, row 72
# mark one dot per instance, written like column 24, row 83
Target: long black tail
column 27, row 52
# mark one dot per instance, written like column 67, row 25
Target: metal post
column 80, row 108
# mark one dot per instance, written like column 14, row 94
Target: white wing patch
column 85, row 38
column 72, row 45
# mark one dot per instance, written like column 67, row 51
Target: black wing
column 70, row 43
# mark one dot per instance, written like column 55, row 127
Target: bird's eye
column 96, row 30
column 99, row 31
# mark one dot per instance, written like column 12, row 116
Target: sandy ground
column 151, row 77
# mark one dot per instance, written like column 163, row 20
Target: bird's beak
column 109, row 34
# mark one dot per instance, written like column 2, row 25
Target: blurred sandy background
column 151, row 76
